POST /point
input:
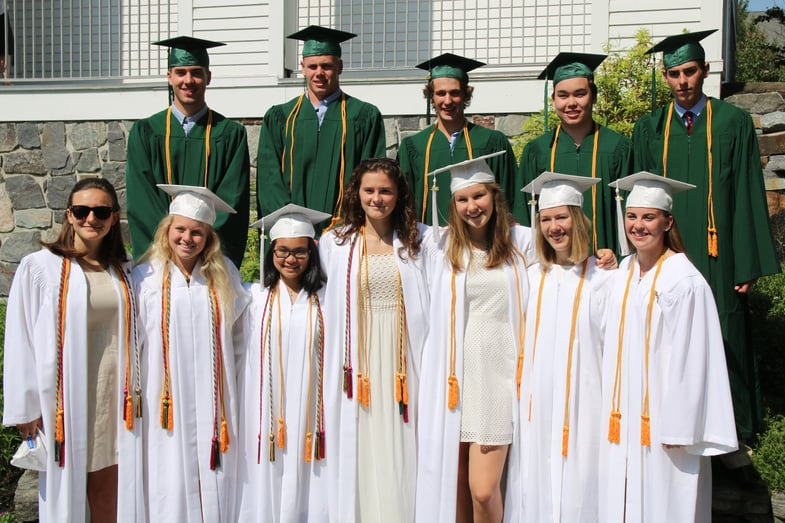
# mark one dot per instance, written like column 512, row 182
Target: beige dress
column 101, row 371
column 385, row 491
column 489, row 358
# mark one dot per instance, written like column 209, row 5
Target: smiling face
column 475, row 206
column 89, row 231
column 378, row 195
column 646, row 228
column 686, row 82
column 573, row 101
column 293, row 265
column 187, row 240
column 448, row 100
column 321, row 74
column 557, row 227
column 189, row 84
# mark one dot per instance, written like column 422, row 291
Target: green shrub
column 249, row 269
column 8, row 517
column 767, row 323
column 769, row 456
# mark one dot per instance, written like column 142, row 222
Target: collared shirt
column 321, row 107
column 696, row 109
column 188, row 122
column 454, row 138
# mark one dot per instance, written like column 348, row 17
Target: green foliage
column 533, row 127
column 769, row 456
column 8, row 517
column 249, row 268
column 757, row 59
column 624, row 82
column 767, row 323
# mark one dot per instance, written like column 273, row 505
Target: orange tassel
column 452, row 395
column 308, row 447
column 170, row 417
column 129, row 412
column 398, row 388
column 519, row 373
column 405, row 388
column 366, row 392
column 59, row 427
column 360, row 388
column 614, row 430
column 713, row 251
column 281, row 434
column 565, row 439
column 224, row 436
column 645, row 431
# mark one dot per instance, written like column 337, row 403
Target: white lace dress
column 385, row 490
column 489, row 359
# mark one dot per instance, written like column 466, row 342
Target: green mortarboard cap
column 450, row 65
column 682, row 48
column 320, row 41
column 572, row 65
column 187, row 50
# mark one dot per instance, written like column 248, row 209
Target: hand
column 606, row 259
column 742, row 288
column 29, row 429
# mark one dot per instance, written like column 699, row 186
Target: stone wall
column 40, row 162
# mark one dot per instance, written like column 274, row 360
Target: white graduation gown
column 179, row 484
column 29, row 385
column 438, row 430
column 279, row 491
column 550, row 487
column 341, row 413
column 689, row 398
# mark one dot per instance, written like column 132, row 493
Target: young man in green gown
column 188, row 144
column 579, row 145
column 724, row 222
column 453, row 139
column 309, row 146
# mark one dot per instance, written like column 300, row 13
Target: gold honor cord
column 206, row 144
column 59, row 450
column 573, row 326
column 593, row 175
column 428, row 164
column 130, row 325
column 712, row 225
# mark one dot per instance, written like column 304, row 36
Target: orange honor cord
column 452, row 381
column 59, row 450
column 264, row 341
column 667, row 141
column 281, row 417
column 521, row 330
column 574, row 325
column 167, row 146
column 291, row 118
column 363, row 306
column 220, row 442
column 129, row 339
column 401, row 385
column 275, row 301
column 341, row 174
column 614, row 428
column 536, row 331
column 469, row 150
column 645, row 420
column 207, row 144
column 167, row 409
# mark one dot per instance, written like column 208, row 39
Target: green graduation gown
column 313, row 180
column 228, row 176
column 411, row 156
column 745, row 244
column 614, row 160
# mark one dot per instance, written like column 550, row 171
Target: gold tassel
column 519, row 373
column 405, row 387
column 308, row 447
column 366, row 392
column 272, row 447
column 614, row 430
column 645, row 431
column 170, row 417
column 360, row 388
column 565, row 439
column 281, row 434
column 713, row 250
column 129, row 412
column 224, row 436
column 59, row 427
column 398, row 388
column 452, row 396
column 138, row 404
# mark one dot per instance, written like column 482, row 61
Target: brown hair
column 579, row 245
column 467, row 89
column 671, row 240
column 112, row 250
column 498, row 236
column 403, row 219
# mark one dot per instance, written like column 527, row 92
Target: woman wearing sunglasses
column 71, row 363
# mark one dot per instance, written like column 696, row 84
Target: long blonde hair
column 213, row 268
column 579, row 244
column 498, row 238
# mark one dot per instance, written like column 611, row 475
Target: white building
column 92, row 59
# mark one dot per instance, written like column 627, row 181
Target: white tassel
column 624, row 246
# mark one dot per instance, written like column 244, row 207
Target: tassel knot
column 366, row 392
column 224, row 436
column 308, row 447
column 128, row 414
column 398, row 388
column 452, row 393
column 713, row 250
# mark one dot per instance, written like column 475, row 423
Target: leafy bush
column 757, row 59
column 767, row 323
column 249, row 269
column 769, row 456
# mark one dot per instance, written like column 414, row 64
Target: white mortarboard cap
column 556, row 189
column 650, row 190
column 197, row 203
column 462, row 175
column 291, row 221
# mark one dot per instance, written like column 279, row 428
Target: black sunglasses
column 80, row 212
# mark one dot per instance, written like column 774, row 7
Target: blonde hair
column 579, row 245
column 213, row 268
column 498, row 239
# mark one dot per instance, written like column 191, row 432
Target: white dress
column 30, row 377
column 689, row 397
column 489, row 356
